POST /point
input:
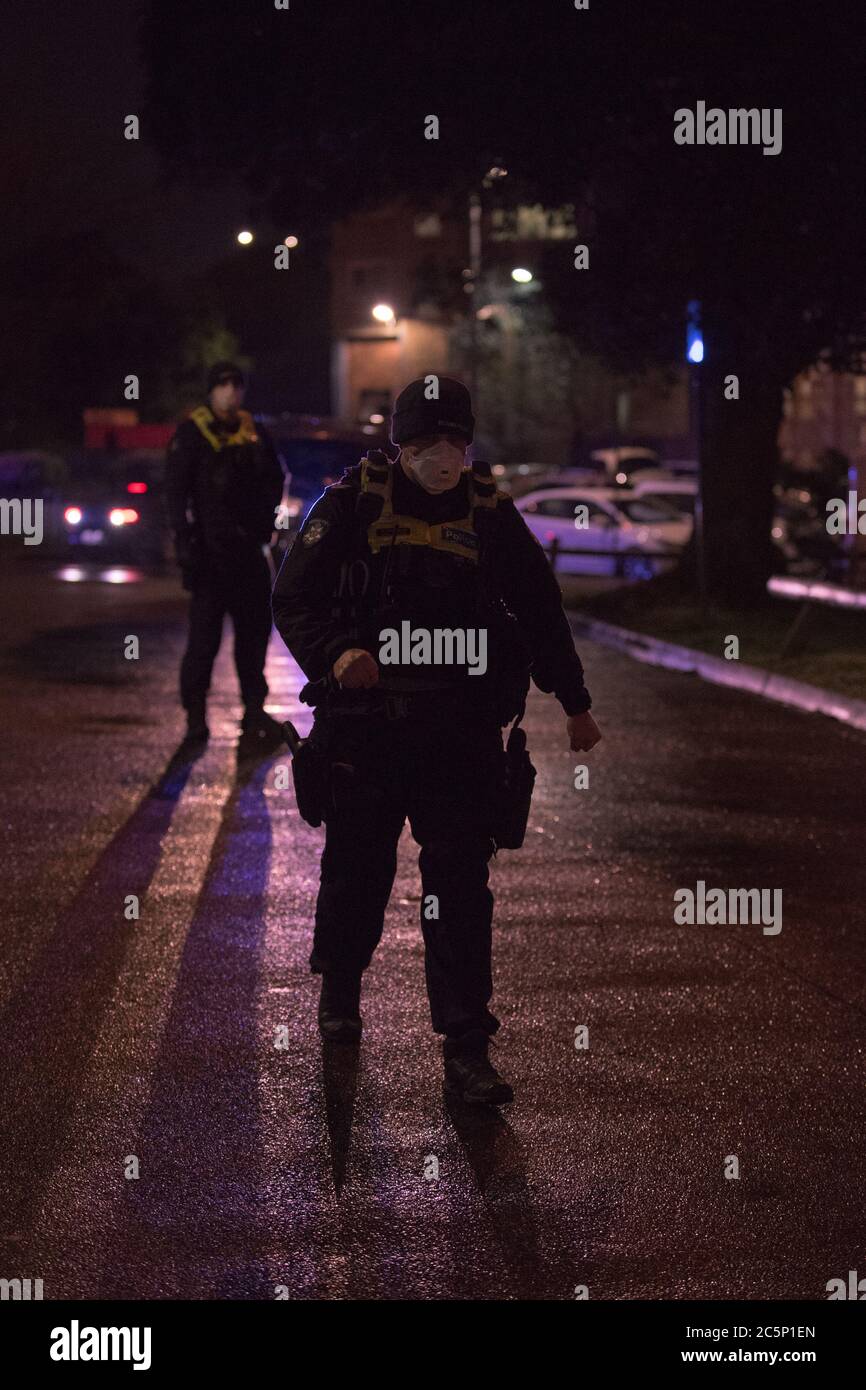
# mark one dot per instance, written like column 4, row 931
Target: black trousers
column 244, row 592
column 442, row 772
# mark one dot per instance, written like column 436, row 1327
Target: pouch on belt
column 309, row 774
column 515, row 798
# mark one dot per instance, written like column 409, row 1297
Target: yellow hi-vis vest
column 455, row 537
column 203, row 418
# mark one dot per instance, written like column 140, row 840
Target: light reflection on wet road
column 262, row 1166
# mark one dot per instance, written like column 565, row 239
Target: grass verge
column 823, row 645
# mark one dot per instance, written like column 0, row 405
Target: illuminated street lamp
column 383, row 313
column 521, row 275
column 291, row 242
column 245, row 238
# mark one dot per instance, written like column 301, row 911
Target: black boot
column 339, row 1006
column 469, row 1073
column 260, row 729
column 197, row 730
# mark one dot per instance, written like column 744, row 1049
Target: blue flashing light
column 694, row 336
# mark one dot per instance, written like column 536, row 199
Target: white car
column 517, row 478
column 620, row 465
column 642, row 537
column 679, row 493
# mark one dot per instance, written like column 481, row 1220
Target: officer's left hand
column 583, row 732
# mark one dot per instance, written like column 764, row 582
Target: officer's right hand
column 356, row 670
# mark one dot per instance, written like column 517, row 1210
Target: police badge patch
column 314, row 531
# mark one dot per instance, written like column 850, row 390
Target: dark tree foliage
column 73, row 310
column 322, row 108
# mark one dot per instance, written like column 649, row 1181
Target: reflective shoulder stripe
column 247, row 433
column 201, row 418
column 458, row 537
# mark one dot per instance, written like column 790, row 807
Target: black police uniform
column 224, row 483
column 377, row 550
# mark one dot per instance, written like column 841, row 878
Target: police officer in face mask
column 224, row 483
column 418, row 604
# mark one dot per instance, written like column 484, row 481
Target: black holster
column 515, row 793
column 310, row 776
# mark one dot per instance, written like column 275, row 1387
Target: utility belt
column 319, row 779
column 399, row 700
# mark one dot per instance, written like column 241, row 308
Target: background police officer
column 224, row 483
column 430, row 542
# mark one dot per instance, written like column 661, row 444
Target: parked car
column 112, row 506
column 800, row 538
column 682, row 468
column 679, row 493
column 622, row 463
column 642, row 537
column 569, row 477
column 518, row 478
column 604, row 468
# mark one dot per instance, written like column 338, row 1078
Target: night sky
column 64, row 159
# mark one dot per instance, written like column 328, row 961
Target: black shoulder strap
column 485, row 508
column 375, row 467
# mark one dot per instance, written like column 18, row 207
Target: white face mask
column 436, row 469
column 227, row 398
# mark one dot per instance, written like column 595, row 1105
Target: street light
column 522, row 276
column 291, row 242
column 492, row 175
column 245, row 238
column 383, row 313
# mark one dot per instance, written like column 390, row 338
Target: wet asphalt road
column 262, row 1167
